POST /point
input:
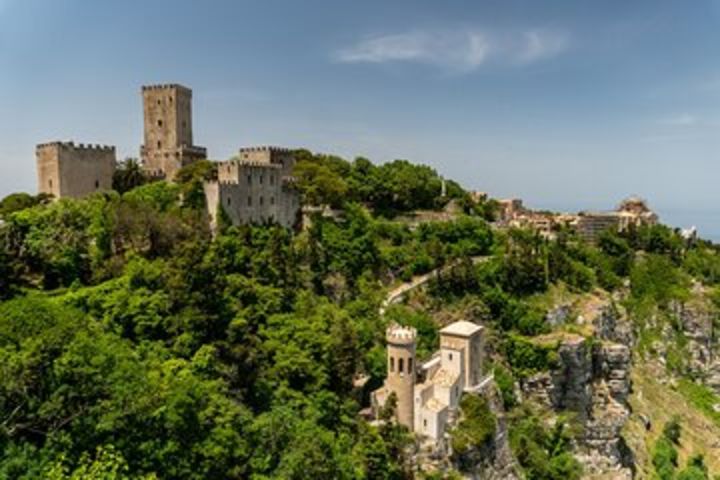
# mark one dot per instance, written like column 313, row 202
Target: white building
column 430, row 395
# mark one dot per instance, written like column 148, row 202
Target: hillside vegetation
column 136, row 344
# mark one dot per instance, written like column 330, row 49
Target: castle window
column 400, row 365
column 159, row 123
column 425, row 423
column 228, row 201
column 272, row 200
column 261, row 178
column 456, row 391
column 159, row 102
column 261, row 200
column 159, row 144
column 392, row 364
column 249, row 179
column 272, row 179
column 249, row 201
column 97, row 184
column 450, row 356
column 50, row 183
column 409, row 365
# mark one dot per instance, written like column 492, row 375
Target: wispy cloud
column 542, row 44
column 463, row 51
column 679, row 120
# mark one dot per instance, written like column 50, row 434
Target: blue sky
column 568, row 104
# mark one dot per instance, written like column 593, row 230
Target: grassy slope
column 660, row 402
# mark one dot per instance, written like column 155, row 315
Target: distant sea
column 706, row 222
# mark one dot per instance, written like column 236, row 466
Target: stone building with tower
column 256, row 186
column 66, row 169
column 632, row 212
column 428, row 395
column 168, row 133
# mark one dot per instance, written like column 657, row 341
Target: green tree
column 128, row 175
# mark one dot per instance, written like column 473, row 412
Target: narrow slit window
column 400, row 365
column 410, row 365
column 392, row 364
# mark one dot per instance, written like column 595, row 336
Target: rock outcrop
column 496, row 460
column 697, row 320
column 592, row 380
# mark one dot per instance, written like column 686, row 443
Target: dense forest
column 136, row 343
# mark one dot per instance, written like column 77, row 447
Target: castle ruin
column 66, row 169
column 168, row 134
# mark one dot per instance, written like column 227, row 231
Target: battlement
column 265, row 148
column 70, row 145
column 249, row 163
column 398, row 334
column 166, row 86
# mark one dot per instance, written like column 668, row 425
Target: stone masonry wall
column 70, row 170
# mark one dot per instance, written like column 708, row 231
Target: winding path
column 398, row 293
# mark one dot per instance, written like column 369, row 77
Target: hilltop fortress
column 255, row 186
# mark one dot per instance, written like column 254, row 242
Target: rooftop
column 462, row 328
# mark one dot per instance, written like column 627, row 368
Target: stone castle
column 256, row 186
column 167, row 114
column 428, row 395
column 68, row 170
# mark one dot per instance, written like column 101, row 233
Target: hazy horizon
column 566, row 105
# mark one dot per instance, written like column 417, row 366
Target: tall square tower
column 168, row 136
column 466, row 337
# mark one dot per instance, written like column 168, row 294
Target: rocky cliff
column 591, row 380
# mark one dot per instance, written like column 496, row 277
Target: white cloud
column 463, row 51
column 540, row 45
column 679, row 120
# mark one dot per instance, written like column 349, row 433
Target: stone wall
column 252, row 193
column 68, row 170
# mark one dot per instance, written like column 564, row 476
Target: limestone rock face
column 697, row 320
column 496, row 461
column 592, row 380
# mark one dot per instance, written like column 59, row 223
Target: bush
column 477, row 428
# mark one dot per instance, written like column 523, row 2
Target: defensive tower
column 168, row 134
column 401, row 343
column 66, row 169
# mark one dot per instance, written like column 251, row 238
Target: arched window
column 410, row 365
column 400, row 365
column 392, row 364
